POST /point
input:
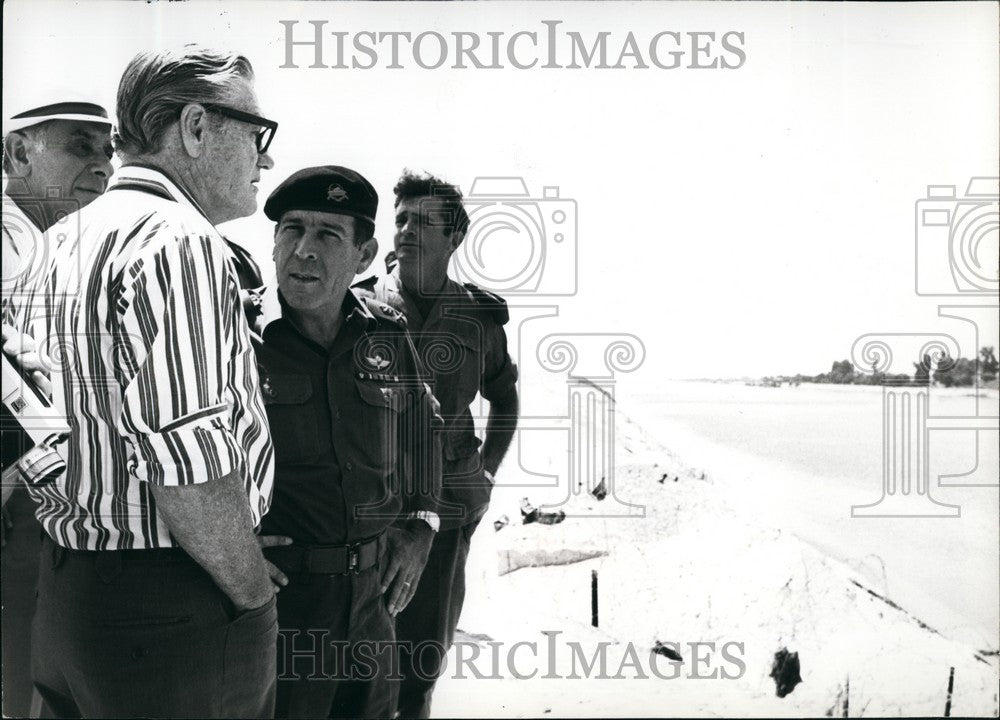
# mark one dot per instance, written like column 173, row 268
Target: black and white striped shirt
column 158, row 377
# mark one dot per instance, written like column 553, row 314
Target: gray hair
column 34, row 134
column 156, row 85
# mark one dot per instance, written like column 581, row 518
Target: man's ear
column 368, row 252
column 193, row 125
column 15, row 147
column 456, row 239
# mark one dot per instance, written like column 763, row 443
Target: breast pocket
column 454, row 360
column 470, row 371
column 457, row 391
column 287, row 399
column 378, row 424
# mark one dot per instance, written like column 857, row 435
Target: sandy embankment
column 695, row 569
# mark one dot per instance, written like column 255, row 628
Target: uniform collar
column 356, row 313
column 449, row 289
column 157, row 179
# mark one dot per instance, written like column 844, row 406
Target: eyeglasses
column 267, row 127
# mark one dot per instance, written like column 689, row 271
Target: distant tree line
column 960, row 372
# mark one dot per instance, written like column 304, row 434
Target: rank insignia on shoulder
column 367, row 283
column 252, row 300
column 496, row 304
column 253, row 308
column 383, row 311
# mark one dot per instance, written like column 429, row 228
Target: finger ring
column 406, row 584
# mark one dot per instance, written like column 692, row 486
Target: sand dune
column 704, row 575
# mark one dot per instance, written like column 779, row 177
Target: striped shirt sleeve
column 175, row 350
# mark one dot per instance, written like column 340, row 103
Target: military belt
column 327, row 559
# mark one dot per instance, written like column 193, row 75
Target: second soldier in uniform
column 459, row 332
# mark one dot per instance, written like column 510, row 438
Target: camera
column 516, row 244
column 957, row 239
column 35, row 425
column 28, row 405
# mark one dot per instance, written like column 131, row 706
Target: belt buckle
column 354, row 558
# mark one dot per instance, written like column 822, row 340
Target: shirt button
column 349, row 466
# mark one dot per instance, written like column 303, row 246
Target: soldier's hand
column 22, row 350
column 406, row 556
column 277, row 577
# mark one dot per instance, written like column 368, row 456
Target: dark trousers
column 146, row 633
column 19, row 584
column 431, row 618
column 336, row 653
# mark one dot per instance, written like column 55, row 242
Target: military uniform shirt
column 462, row 345
column 353, row 426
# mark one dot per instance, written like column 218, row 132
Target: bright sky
column 747, row 221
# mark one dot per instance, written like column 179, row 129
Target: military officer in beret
column 357, row 456
column 459, row 332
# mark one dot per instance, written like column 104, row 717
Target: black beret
column 328, row 188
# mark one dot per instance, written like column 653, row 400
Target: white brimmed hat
column 66, row 110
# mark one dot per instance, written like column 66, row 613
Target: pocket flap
column 378, row 395
column 286, row 389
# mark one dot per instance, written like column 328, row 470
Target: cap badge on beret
column 326, row 189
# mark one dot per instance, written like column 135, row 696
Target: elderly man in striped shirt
column 154, row 596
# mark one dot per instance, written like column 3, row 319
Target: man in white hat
column 56, row 159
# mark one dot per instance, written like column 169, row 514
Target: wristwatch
column 428, row 516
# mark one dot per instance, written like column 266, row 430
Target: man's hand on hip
column 212, row 522
column 277, row 577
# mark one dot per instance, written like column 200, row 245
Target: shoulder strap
column 366, row 285
column 496, row 304
column 250, row 298
column 383, row 311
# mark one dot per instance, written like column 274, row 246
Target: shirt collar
column 147, row 174
column 272, row 307
column 395, row 284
